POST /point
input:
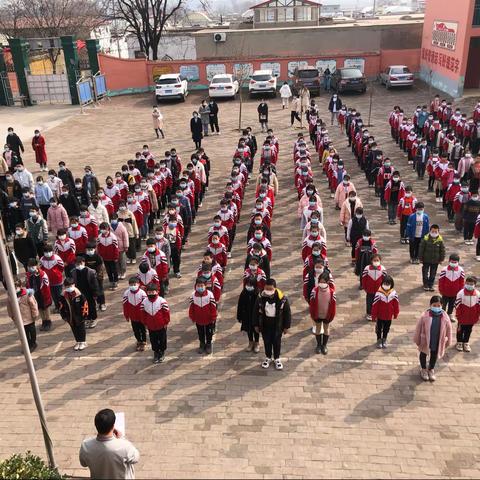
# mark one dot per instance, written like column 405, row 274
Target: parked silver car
column 397, row 76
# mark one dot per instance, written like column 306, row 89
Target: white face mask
column 376, row 264
column 151, row 249
column 62, row 237
column 323, row 285
column 385, row 286
column 70, row 289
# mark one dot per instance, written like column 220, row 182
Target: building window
column 304, row 14
column 289, row 14
column 270, row 15
column 476, row 14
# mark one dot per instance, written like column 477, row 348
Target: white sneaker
column 229, row 254
column 266, row 363
column 477, row 258
column 76, row 346
column 424, row 375
column 82, row 346
column 459, row 346
column 103, row 307
column 278, row 364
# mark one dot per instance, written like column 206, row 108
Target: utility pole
column 374, row 7
column 17, row 317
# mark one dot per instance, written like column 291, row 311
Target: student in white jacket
column 285, row 93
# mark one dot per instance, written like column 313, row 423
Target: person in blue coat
column 418, row 225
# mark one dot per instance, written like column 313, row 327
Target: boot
column 250, row 347
column 324, row 344
column 319, row 339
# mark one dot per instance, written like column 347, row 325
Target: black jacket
column 262, row 110
column 196, row 128
column 67, row 178
column 213, row 109
column 265, row 229
column 82, row 195
column 86, row 281
column 15, row 144
column 24, row 249
column 73, row 310
column 283, row 316
column 17, row 190
column 471, row 210
column 338, row 103
column 418, row 156
column 245, row 307
column 70, row 204
column 358, row 227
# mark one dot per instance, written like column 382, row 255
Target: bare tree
column 11, row 16
column 146, row 19
column 243, row 72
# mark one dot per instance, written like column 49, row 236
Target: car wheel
column 274, row 94
column 182, row 97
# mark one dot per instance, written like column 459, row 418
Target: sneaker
column 208, row 349
column 459, row 346
column 178, row 275
column 33, row 347
column 431, row 375
column 384, row 344
column 318, row 349
column 82, row 346
column 467, row 348
column 324, row 349
column 379, row 343
column 250, row 347
column 278, row 364
column 122, row 276
column 256, row 347
column 426, row 288
column 201, row 348
column 229, row 254
column 161, row 357
column 452, row 318
column 103, row 307
column 368, row 318
column 424, row 375
column 431, row 289
column 76, row 346
column 142, row 346
column 477, row 258
column 155, row 357
column 266, row 363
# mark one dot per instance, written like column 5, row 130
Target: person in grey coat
column 204, row 112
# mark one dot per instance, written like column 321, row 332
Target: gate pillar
column 19, row 49
column 71, row 64
column 93, row 47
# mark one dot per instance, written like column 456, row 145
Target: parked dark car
column 344, row 79
column 309, row 77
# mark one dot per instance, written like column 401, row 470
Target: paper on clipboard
column 120, row 422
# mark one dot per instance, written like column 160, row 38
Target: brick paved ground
column 357, row 413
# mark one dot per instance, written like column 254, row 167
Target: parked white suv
column 262, row 82
column 397, row 76
column 223, row 85
column 171, row 85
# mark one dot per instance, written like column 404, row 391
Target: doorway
column 472, row 74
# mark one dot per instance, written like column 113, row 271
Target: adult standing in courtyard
column 196, row 129
column 108, row 455
column 262, row 110
column 15, row 144
column 212, row 105
column 334, row 107
column 327, row 79
column 38, row 145
column 204, row 112
column 285, row 94
column 157, row 118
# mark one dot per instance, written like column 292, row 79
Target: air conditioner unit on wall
column 219, row 37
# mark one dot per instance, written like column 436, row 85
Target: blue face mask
column 200, row 289
column 436, row 310
column 114, row 223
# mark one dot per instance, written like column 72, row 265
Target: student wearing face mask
column 156, row 317
column 196, row 128
column 351, row 204
column 467, row 308
column 133, row 298
column 366, row 247
column 38, row 146
column 272, row 318
column 173, row 235
column 54, row 267
column 255, row 273
column 90, row 182
column 29, row 311
column 57, row 216
column 372, row 278
column 385, row 308
column 451, row 281
column 156, row 259
column 334, row 107
column 431, row 253
column 262, row 111
column 203, row 312
column 204, row 112
column 27, row 202
column 85, row 280
column 43, row 194
column 37, row 229
column 74, row 311
column 157, row 119
column 355, row 227
column 107, row 248
column 394, row 192
column 418, row 225
column 94, row 261
column 433, row 335
column 313, row 267
column 65, row 248
column 245, row 309
column 322, row 306
column 421, row 158
column 23, row 245
column 37, row 280
column 470, row 213
column 65, row 175
column 14, row 143
column 127, row 219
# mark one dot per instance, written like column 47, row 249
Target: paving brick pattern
column 357, row 413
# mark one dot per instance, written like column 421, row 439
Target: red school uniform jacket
column 385, row 305
column 65, row 249
column 53, row 267
column 44, row 287
column 372, row 278
column 173, row 236
column 107, row 247
column 406, row 206
column 467, row 307
column 219, row 253
column 155, row 313
column 332, row 305
column 132, row 304
column 148, row 278
column 158, row 261
column 451, row 281
column 259, row 277
column 222, row 231
column 80, row 236
column 308, row 245
column 264, row 242
column 91, row 226
column 227, row 217
column 214, row 286
column 203, row 308
column 137, row 211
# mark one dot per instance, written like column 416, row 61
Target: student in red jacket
column 156, row 317
column 323, row 306
column 107, row 248
column 174, row 236
column 157, row 260
column 37, row 280
column 211, row 281
column 256, row 273
column 467, row 306
column 53, row 266
column 133, row 298
column 146, row 276
column 406, row 206
column 218, row 250
column 65, row 248
column 372, row 278
column 452, row 280
column 385, row 308
column 203, row 312
column 79, row 235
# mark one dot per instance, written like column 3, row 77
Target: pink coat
column 57, row 218
column 303, row 203
column 422, row 333
column 122, row 237
column 341, row 193
column 345, row 213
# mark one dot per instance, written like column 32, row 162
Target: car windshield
column 261, row 78
column 399, row 70
column 307, row 73
column 221, row 80
column 167, row 81
column 351, row 73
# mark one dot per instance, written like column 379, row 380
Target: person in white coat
column 285, row 94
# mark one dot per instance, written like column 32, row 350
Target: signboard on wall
column 444, row 34
column 293, row 65
column 190, row 72
column 243, row 70
column 159, row 70
column 275, row 67
column 323, row 64
column 355, row 63
column 213, row 69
